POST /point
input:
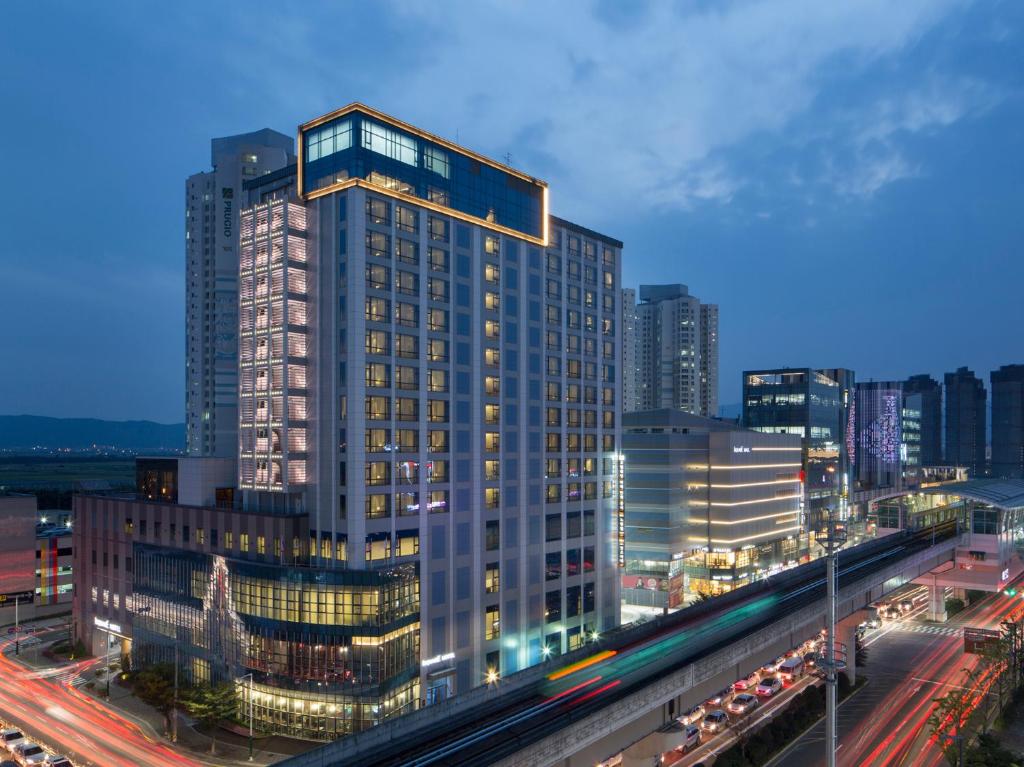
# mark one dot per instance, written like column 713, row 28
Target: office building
column 966, row 421
column 879, row 436
column 211, row 285
column 676, row 351
column 709, row 506
column 1008, row 422
column 426, row 493
column 54, row 567
column 931, row 416
column 910, row 445
column 17, row 557
column 817, row 406
column 629, row 371
column 708, row 360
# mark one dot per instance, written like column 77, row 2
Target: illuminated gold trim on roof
column 376, row 115
column 355, row 106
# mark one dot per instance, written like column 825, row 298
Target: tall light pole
column 833, row 539
column 174, row 707
column 17, row 628
column 249, row 675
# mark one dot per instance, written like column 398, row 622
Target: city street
column 67, row 720
column 910, row 663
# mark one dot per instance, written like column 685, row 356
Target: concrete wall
column 621, row 724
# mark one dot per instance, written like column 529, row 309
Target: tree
column 155, row 687
column 210, row 705
column 954, row 720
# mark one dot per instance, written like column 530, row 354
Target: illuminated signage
column 1006, row 575
column 106, row 625
column 17, row 596
column 437, row 659
column 227, row 195
column 740, row 449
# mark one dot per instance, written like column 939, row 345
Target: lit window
column 492, row 622
column 492, row 578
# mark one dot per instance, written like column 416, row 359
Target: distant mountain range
column 36, row 432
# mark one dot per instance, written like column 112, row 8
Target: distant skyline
column 844, row 179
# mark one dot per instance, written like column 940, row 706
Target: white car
column 58, row 760
column 11, row 738
column 28, row 753
column 747, row 682
column 716, row 721
column 769, row 687
column 742, row 704
column 692, row 739
column 693, row 715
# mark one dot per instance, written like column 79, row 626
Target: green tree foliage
column 955, row 720
column 211, row 705
column 155, row 686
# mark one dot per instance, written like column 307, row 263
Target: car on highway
column 792, row 669
column 742, row 704
column 720, row 698
column 872, row 622
column 714, row 721
column 891, row 613
column 691, row 739
column 906, row 605
column 811, row 659
column 58, row 760
column 768, row 687
column 748, row 682
column 29, row 753
column 693, row 715
column 10, row 738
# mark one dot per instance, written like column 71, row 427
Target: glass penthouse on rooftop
column 357, row 144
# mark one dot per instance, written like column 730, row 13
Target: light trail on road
column 897, row 733
column 70, row 722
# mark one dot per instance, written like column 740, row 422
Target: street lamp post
column 17, row 629
column 249, row 675
column 832, row 541
column 174, row 709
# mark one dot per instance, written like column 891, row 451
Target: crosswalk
column 920, row 628
column 69, row 676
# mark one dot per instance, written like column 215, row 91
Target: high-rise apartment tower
column 676, row 352
column 211, row 285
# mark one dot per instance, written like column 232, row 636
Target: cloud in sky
column 643, row 111
column 767, row 152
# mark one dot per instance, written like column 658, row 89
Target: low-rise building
column 709, row 506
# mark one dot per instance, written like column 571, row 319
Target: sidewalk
column 231, row 748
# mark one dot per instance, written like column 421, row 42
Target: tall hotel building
column 428, row 440
column 212, row 202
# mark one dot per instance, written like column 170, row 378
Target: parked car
column 58, row 760
column 768, row 687
column 11, row 738
column 720, row 698
column 742, row 704
column 714, row 721
column 748, row 682
column 692, row 740
column 693, row 715
column 29, row 753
